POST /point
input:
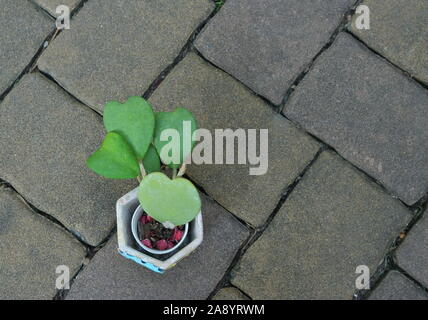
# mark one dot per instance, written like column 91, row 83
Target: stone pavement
column 347, row 113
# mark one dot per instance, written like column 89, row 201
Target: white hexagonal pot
column 128, row 247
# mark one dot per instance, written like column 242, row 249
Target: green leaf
column 134, row 120
column 176, row 201
column 174, row 120
column 151, row 160
column 115, row 158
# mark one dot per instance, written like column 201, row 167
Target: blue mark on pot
column 141, row 262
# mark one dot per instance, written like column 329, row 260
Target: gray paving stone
column 396, row 286
column 31, row 247
column 116, row 49
column 229, row 293
column 23, row 30
column 51, row 5
column 267, row 44
column 398, row 31
column 412, row 253
column 370, row 112
column 333, row 221
column 218, row 102
column 46, row 137
column 110, row 276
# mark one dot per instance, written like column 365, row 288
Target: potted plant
column 160, row 221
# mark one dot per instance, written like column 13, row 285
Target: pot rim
column 134, row 227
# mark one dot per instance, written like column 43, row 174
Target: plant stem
column 142, row 171
column 182, row 170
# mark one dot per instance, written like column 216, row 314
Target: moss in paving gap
column 218, row 4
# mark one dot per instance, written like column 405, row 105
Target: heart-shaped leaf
column 151, row 160
column 181, row 145
column 176, row 201
column 134, row 120
column 115, row 158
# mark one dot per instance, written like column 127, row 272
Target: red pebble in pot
column 161, row 245
column 177, row 235
column 147, row 243
column 143, row 219
column 146, row 219
column 170, row 244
